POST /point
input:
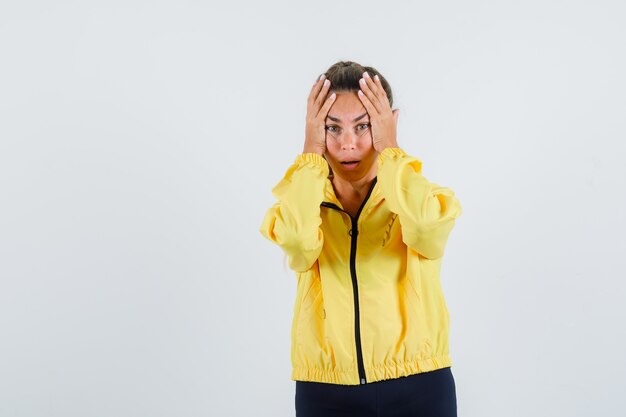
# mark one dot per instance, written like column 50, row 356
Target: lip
column 350, row 166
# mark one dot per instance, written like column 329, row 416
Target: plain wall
column 139, row 142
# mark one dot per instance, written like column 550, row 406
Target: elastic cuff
column 314, row 158
column 391, row 153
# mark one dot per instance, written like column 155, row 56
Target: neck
column 354, row 188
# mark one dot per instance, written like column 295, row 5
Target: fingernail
column 326, row 82
column 321, row 77
column 377, row 77
column 365, row 74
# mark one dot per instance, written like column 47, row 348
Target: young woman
column 365, row 233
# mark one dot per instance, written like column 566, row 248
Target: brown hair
column 345, row 76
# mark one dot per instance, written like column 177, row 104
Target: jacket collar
column 331, row 197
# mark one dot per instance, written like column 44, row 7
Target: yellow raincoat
column 369, row 304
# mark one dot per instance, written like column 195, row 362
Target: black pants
column 427, row 394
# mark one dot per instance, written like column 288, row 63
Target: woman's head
column 344, row 76
column 348, row 129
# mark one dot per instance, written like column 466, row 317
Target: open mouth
column 350, row 164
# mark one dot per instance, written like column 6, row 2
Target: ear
column 396, row 112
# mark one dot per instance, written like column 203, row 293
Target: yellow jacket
column 369, row 304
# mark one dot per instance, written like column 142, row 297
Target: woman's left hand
column 384, row 121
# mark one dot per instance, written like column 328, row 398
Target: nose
column 348, row 140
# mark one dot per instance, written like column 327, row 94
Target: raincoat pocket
column 312, row 306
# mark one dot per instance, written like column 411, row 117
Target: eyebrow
column 335, row 119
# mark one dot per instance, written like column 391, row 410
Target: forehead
column 346, row 108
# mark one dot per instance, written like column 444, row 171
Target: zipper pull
column 362, row 380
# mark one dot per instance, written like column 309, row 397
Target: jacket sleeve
column 293, row 222
column 426, row 211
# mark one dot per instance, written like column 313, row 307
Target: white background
column 139, row 142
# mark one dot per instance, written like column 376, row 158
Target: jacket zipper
column 354, row 232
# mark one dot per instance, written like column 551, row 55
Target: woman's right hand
column 318, row 105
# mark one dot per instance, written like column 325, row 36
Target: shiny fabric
column 369, row 304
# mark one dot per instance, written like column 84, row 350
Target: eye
column 330, row 128
column 364, row 125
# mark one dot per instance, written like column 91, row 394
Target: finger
column 378, row 90
column 316, row 88
column 381, row 90
column 322, row 94
column 326, row 107
column 367, row 84
column 369, row 107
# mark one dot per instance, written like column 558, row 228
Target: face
column 349, row 138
